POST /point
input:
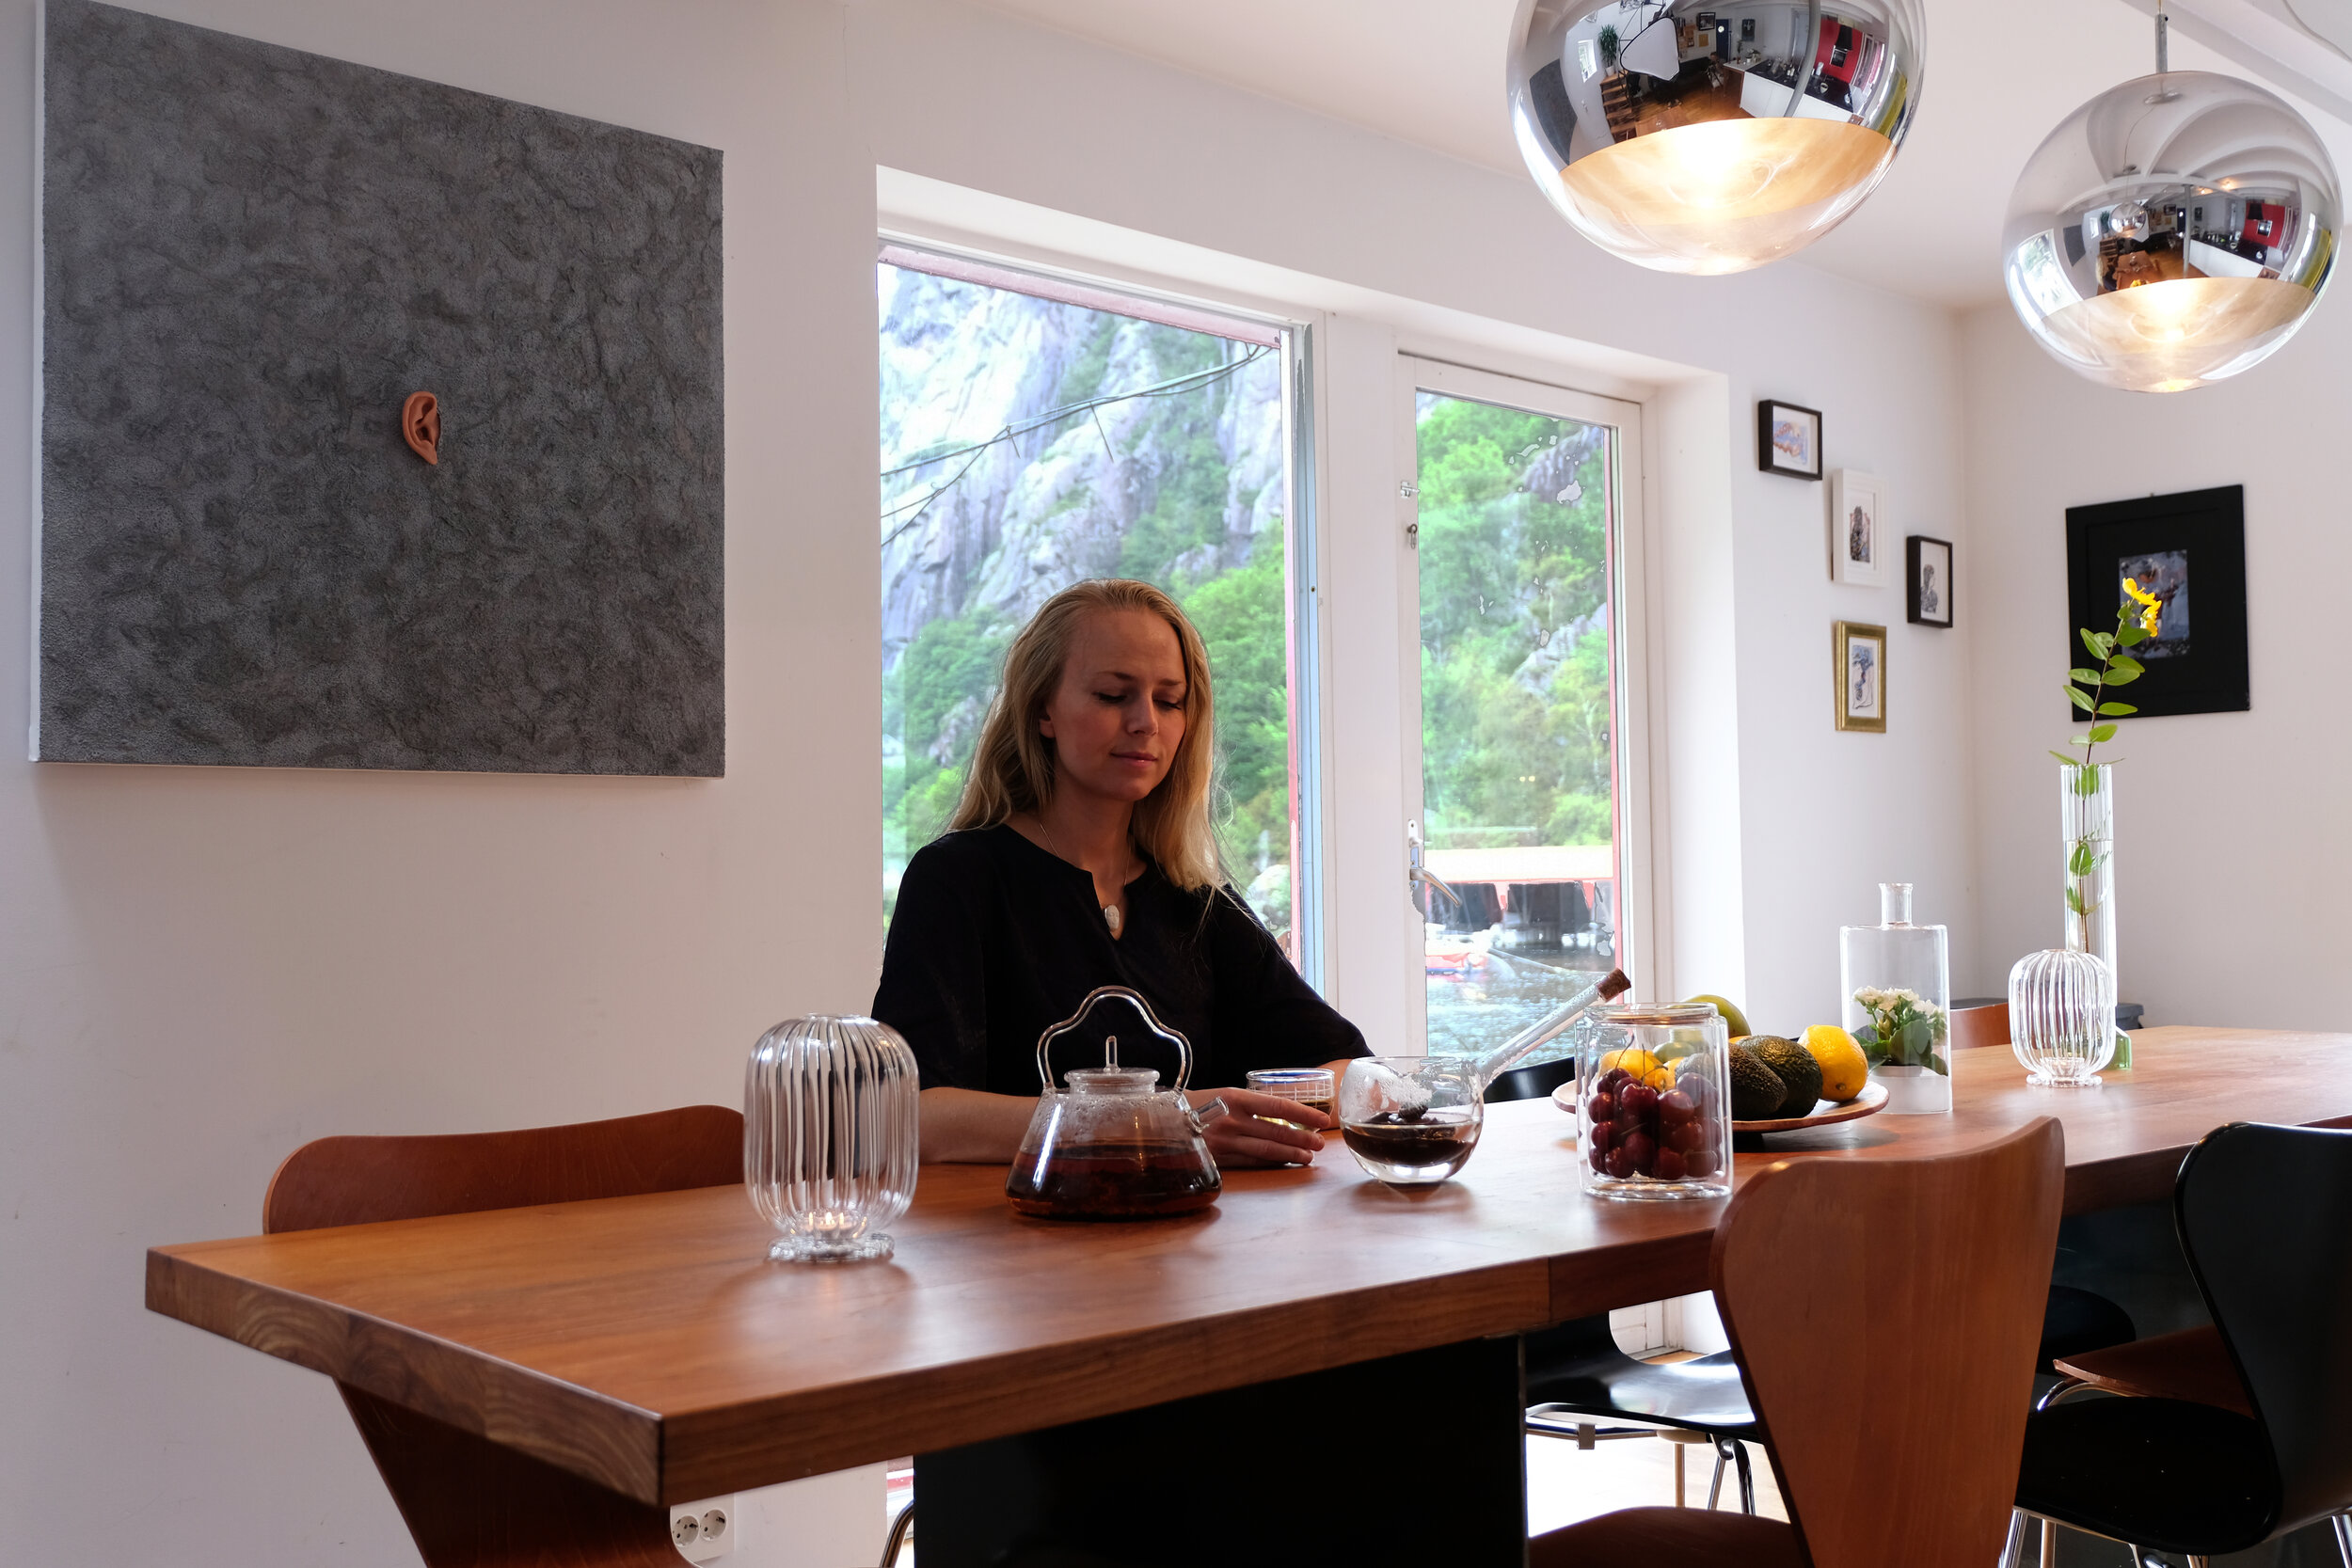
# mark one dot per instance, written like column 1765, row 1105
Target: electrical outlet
column 705, row 1530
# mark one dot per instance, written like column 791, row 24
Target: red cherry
column 1600, row 1158
column 1620, row 1163
column 1603, row 1136
column 1640, row 1100
column 1699, row 1163
column 1682, row 1139
column 1601, row 1107
column 1676, row 1107
column 1610, row 1080
column 1669, row 1167
column 1640, row 1151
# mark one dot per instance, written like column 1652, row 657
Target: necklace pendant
column 1110, row 918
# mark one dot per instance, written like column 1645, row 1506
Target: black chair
column 2265, row 1215
column 1578, row 1379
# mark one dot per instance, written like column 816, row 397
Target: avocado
column 1795, row 1067
column 1756, row 1091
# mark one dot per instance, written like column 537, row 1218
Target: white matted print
column 1859, row 543
column 1861, row 676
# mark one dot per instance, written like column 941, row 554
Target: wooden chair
column 469, row 1502
column 1974, row 1027
column 1884, row 1314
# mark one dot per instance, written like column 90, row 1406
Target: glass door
column 1518, row 784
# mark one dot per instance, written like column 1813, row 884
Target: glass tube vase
column 1897, row 980
column 831, row 1138
column 2087, row 826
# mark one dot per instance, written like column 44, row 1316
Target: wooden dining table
column 649, row 1346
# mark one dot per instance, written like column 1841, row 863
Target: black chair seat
column 1669, row 1538
column 2158, row 1473
column 2077, row 1321
column 1704, row 1395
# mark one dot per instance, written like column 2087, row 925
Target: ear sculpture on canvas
column 421, row 424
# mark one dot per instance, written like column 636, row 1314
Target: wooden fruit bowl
column 1871, row 1099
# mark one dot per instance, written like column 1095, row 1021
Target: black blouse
column 996, row 940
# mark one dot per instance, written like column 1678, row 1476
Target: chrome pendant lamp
column 2175, row 230
column 1709, row 137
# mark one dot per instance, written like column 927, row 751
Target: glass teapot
column 1113, row 1145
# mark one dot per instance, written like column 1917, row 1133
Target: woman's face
column 1118, row 716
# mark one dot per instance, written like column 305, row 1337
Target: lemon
column 1844, row 1069
column 1645, row 1067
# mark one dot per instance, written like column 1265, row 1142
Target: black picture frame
column 1769, row 413
column 1928, row 602
column 2193, row 544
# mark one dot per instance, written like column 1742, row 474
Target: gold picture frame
column 1858, row 676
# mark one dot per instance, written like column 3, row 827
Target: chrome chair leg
column 2014, row 1548
column 2343, row 1537
column 1715, row 1487
column 2058, row 1390
column 901, row 1528
column 1735, row 1451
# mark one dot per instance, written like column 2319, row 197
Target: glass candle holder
column 1897, row 981
column 2061, row 1018
column 1654, row 1101
column 831, row 1138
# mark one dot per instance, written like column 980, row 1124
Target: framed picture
column 1861, row 676
column 1928, row 580
column 1788, row 439
column 2189, row 551
column 1859, row 543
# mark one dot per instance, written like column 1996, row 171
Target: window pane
column 1029, row 444
column 1518, row 764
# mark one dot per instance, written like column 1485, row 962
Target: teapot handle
column 1174, row 1037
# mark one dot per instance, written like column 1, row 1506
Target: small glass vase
column 2061, row 1018
column 831, row 1138
column 1897, row 981
column 2086, row 829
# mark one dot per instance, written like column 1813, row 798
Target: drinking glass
column 1317, row 1087
column 1411, row 1121
column 830, row 1135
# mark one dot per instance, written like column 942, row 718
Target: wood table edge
column 605, row 1440
column 709, row 1453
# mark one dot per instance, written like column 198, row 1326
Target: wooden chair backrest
column 1979, row 1026
column 471, row 1502
column 1886, row 1314
column 356, row 1180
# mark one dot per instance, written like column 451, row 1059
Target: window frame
column 1292, row 340
column 1637, row 822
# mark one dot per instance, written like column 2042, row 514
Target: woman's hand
column 1246, row 1137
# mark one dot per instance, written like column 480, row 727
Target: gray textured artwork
column 251, row 256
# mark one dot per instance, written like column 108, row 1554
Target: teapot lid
column 1111, row 1080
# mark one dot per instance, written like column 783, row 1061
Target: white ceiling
column 2000, row 73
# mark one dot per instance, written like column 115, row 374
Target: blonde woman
column 1080, row 855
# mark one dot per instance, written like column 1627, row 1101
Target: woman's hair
column 1012, row 768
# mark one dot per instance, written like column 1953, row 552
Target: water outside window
column 1519, row 763
column 1029, row 444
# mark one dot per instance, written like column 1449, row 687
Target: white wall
column 201, row 969
column 970, row 97
column 2232, row 846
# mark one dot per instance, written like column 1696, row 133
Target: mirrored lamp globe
column 2175, row 230
column 1707, row 136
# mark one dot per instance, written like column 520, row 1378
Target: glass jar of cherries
column 1653, row 1094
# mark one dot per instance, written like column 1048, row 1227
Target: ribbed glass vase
column 2061, row 1018
column 831, row 1138
column 2087, row 824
